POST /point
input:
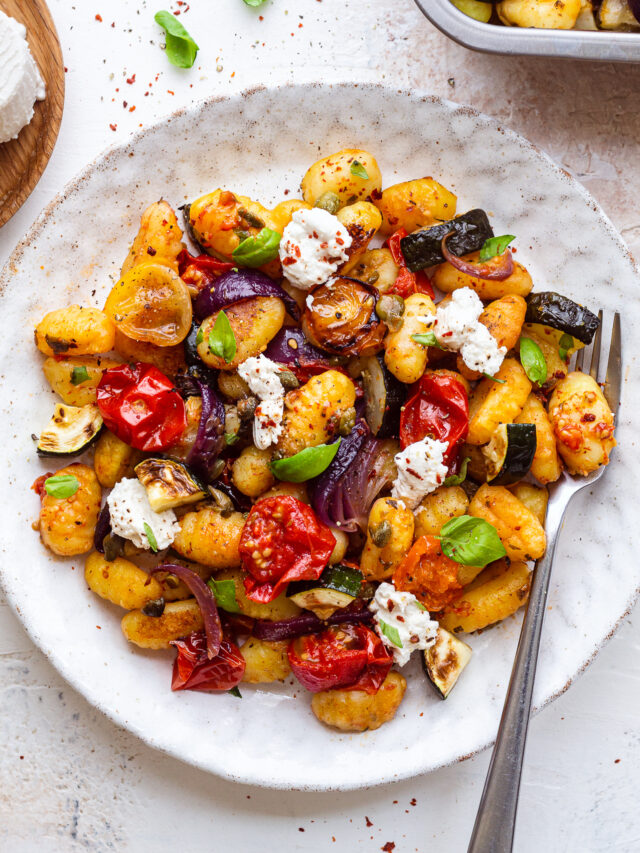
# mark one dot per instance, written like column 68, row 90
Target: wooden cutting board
column 23, row 160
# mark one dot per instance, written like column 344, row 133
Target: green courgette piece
column 70, row 431
column 509, row 454
column 559, row 312
column 468, row 233
column 384, row 396
column 169, row 483
column 336, row 587
column 444, row 661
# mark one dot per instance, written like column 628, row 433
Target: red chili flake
column 151, row 250
column 617, row 761
column 413, row 802
column 299, row 26
column 369, row 823
column 113, row 126
column 113, row 23
column 65, row 69
column 22, row 758
column 99, row 627
column 124, row 104
column 389, row 847
column 288, row 261
column 131, row 79
column 99, row 18
column 131, row 109
column 301, row 829
column 261, row 17
column 170, row 92
column 588, row 417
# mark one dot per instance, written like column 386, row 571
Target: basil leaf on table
column 151, row 537
column 391, row 633
column 359, row 171
column 257, row 250
column 457, row 479
column 222, row 341
column 564, row 345
column 533, row 361
column 306, row 464
column 495, row 246
column 181, row 49
column 471, row 541
column 225, row 593
column 427, row 339
column 79, row 375
column 61, row 486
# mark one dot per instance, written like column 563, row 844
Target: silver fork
column 494, row 828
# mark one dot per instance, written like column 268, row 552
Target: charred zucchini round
column 169, row 483
column 336, row 587
column 444, row 661
column 559, row 312
column 384, row 396
column 70, row 431
column 510, row 453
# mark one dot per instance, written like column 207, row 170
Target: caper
column 247, row 408
column 241, row 234
column 390, row 309
column 154, row 608
column 113, row 545
column 250, row 218
column 172, row 581
column 381, row 534
column 373, row 278
column 288, row 380
column 328, row 201
column 216, row 469
column 347, row 421
column 221, row 501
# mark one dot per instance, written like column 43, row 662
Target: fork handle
column 494, row 828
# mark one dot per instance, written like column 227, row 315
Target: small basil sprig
column 457, row 479
column 306, row 464
column 533, row 361
column 222, row 341
column 181, row 48
column 225, row 593
column 257, row 250
column 427, row 339
column 359, row 171
column 495, row 246
column 493, row 379
column 471, row 541
column 151, row 537
column 79, row 375
column 235, row 691
column 392, row 633
column 61, row 486
column 565, row 343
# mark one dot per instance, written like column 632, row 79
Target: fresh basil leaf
column 471, row 541
column 359, row 171
column 151, row 537
column 225, row 593
column 230, row 438
column 235, row 691
column 457, row 479
column 199, row 336
column 495, row 246
column 391, row 633
column 533, row 361
column 493, row 379
column 564, row 345
column 61, row 486
column 222, row 341
column 427, row 339
column 258, row 250
column 306, row 464
column 181, row 48
column 79, row 375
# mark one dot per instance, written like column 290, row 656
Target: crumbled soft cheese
column 456, row 327
column 420, row 470
column 313, row 246
column 263, row 377
column 130, row 510
column 402, row 611
column 20, row 81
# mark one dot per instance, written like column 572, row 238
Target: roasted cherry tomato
column 282, row 541
column 193, row 670
column 439, row 408
column 407, row 282
column 429, row 574
column 141, row 406
column 200, row 270
column 347, row 656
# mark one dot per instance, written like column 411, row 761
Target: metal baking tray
column 568, row 44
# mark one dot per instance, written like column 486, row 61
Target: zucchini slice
column 444, row 661
column 336, row 587
column 559, row 312
column 424, row 248
column 509, row 454
column 169, row 483
column 70, row 431
column 384, row 397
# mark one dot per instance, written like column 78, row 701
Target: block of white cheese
column 21, row 84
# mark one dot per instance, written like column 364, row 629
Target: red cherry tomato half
column 282, row 541
column 429, row 574
column 439, row 409
column 193, row 670
column 200, row 270
column 141, row 406
column 347, row 656
column 407, row 282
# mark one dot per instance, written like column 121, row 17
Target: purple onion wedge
column 210, row 436
column 307, row 623
column 290, row 346
column 232, row 287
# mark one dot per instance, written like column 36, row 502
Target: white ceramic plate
column 261, row 144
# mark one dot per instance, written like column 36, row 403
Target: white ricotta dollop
column 420, row 470
column 263, row 377
column 456, row 327
column 130, row 511
column 411, row 625
column 20, row 82
column 313, row 246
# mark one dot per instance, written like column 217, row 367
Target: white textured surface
column 130, row 798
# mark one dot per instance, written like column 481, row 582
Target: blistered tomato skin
column 429, row 574
column 439, row 409
column 193, row 670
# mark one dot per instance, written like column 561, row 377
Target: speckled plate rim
column 102, row 159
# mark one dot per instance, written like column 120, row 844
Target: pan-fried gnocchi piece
column 340, row 548
column 361, row 220
column 254, row 322
column 521, row 533
column 113, row 459
column 296, row 490
column 582, row 422
column 357, row 711
column 405, row 358
column 66, row 377
column 436, row 509
column 180, row 618
column 210, row 538
column 493, row 403
column 251, row 473
column 448, row 279
column 159, row 240
column 75, row 330
column 389, row 537
column 376, row 267
column 342, row 173
column 169, row 360
column 504, row 318
column 312, row 412
column 541, row 14
column 496, row 593
column 534, row 498
column 546, row 466
column 121, row 582
column 280, row 608
column 265, row 662
column 415, row 204
column 67, row 525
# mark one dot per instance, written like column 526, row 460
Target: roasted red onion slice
column 497, row 269
column 232, row 287
column 103, row 528
column 210, row 436
column 306, row 623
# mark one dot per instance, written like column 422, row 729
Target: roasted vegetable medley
column 621, row 15
column 320, row 437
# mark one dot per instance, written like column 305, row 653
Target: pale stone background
column 69, row 779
